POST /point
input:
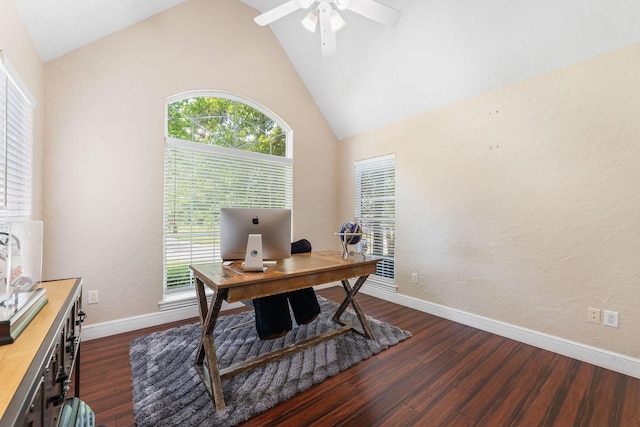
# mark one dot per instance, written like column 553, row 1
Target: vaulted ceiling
column 440, row 51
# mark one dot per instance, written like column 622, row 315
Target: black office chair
column 273, row 319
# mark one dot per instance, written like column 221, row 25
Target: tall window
column 376, row 212
column 16, row 141
column 221, row 151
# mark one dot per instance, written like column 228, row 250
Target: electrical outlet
column 593, row 315
column 414, row 277
column 611, row 318
column 93, row 297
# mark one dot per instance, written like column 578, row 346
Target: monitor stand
column 253, row 258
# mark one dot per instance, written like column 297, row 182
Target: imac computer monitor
column 236, row 224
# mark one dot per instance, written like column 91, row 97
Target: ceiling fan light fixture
column 326, row 16
column 310, row 21
column 337, row 23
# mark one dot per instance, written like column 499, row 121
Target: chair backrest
column 300, row 246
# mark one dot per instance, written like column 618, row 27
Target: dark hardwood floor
column 447, row 374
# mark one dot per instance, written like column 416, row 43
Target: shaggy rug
column 167, row 390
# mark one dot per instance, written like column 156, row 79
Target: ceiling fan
column 329, row 18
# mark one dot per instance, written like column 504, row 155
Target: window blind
column 16, row 133
column 199, row 180
column 375, row 189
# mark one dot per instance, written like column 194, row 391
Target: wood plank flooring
column 447, row 374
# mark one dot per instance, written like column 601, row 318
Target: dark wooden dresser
column 36, row 370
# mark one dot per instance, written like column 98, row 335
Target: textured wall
column 104, row 148
column 521, row 204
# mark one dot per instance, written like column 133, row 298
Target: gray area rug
column 167, row 390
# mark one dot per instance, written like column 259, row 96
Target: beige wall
column 104, row 146
column 518, row 205
column 16, row 43
column 521, row 205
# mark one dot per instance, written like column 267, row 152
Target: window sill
column 382, row 283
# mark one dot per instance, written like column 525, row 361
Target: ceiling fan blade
column 375, row 11
column 278, row 12
column 327, row 36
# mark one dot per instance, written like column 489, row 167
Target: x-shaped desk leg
column 350, row 298
column 206, row 353
column 208, row 316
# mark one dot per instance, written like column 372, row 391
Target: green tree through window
column 225, row 123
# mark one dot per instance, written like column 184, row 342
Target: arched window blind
column 220, row 151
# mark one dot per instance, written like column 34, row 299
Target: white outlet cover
column 93, row 297
column 611, row 318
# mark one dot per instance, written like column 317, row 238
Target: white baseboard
column 606, row 359
column 105, row 329
column 596, row 356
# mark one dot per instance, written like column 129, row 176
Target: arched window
column 221, row 150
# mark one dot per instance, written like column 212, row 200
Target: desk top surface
column 300, row 270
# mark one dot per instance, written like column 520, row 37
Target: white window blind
column 16, row 140
column 375, row 210
column 202, row 177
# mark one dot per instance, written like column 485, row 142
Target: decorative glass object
column 21, row 296
column 350, row 234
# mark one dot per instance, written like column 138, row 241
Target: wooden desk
column 301, row 271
